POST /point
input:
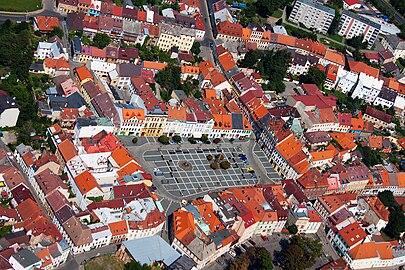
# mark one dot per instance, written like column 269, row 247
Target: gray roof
column 317, row 5
column 37, row 66
column 361, row 19
column 219, row 236
column 76, row 45
column 129, row 70
column 7, row 102
column 180, row 94
column 26, row 258
column 387, row 94
column 237, row 121
column 395, row 42
column 182, row 263
column 75, row 100
column 57, row 103
column 150, row 249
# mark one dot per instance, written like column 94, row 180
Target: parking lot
column 201, row 177
column 271, row 173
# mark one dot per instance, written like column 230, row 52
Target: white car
column 232, row 253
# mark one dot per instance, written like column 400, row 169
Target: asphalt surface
column 400, row 19
column 206, row 51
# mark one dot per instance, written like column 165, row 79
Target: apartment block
column 175, row 36
column 312, row 14
column 353, row 25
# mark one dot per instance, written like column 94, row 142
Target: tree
column 387, row 198
column 292, row 229
column 176, row 138
column 357, row 42
column 396, row 220
column 225, row 165
column 216, row 140
column 169, row 79
column 301, row 253
column 135, row 265
column 204, row 138
column 209, row 157
column 280, row 22
column 101, row 40
column 163, row 139
column 197, row 94
column 314, row 76
column 195, row 49
column 254, row 258
column 57, row 32
column 134, row 140
column 214, row 166
column 266, row 8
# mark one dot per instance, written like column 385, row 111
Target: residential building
column 305, row 218
column 175, row 36
column 348, row 238
column 9, row 111
column 367, row 88
column 313, row 15
column 353, row 25
column 378, row 118
column 395, row 45
column 375, row 212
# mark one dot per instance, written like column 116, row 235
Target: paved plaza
column 201, row 178
column 270, row 172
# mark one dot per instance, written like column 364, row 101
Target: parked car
column 264, row 238
column 232, row 253
column 252, row 242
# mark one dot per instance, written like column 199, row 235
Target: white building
column 312, row 14
column 9, row 111
column 50, row 49
column 306, row 219
column 176, row 36
column 367, row 88
column 351, row 4
column 347, row 80
column 353, row 25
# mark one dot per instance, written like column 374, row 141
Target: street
column 48, row 9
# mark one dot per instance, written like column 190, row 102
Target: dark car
column 252, row 242
column 205, row 19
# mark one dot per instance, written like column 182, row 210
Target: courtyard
column 198, row 176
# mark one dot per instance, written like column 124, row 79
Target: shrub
column 204, row 138
column 292, row 229
column 214, row 166
column 163, row 139
column 217, row 140
column 176, row 138
column 191, row 139
column 134, row 140
column 209, row 157
column 225, row 165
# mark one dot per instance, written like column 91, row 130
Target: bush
column 217, row 140
column 209, row 157
column 134, row 140
column 163, row 139
column 225, row 165
column 191, row 139
column 204, row 138
column 176, row 138
column 214, row 166
column 231, row 140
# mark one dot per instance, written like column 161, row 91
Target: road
column 48, row 9
column 395, row 13
column 206, row 51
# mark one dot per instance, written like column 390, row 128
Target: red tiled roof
column 46, row 23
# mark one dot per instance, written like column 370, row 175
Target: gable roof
column 86, row 182
column 67, row 150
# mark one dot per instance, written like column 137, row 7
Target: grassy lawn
column 331, row 43
column 104, row 262
column 277, row 14
column 336, row 37
column 20, row 5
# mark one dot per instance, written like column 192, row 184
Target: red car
column 264, row 238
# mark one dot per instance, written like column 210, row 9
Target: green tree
column 301, row 253
column 135, row 265
column 225, row 165
column 254, row 258
column 266, row 8
column 163, row 139
column 169, row 79
column 214, row 165
column 396, row 220
column 216, row 140
column 204, row 138
column 57, row 31
column 101, row 40
column 196, row 48
column 357, row 42
column 387, row 198
column 292, row 229
column 315, row 76
column 176, row 138
column 134, row 140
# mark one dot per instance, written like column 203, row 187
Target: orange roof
column 286, row 40
column 86, row 182
column 190, row 69
column 122, row 157
column 205, row 66
column 60, row 63
column 289, row 147
column 379, row 208
column 266, row 35
column 83, row 73
column 375, row 141
column 332, row 72
column 128, row 169
column 131, row 113
column 45, row 257
column 178, row 113
column 210, row 94
column 401, row 142
column 370, row 250
column 327, row 154
column 344, row 140
column 335, row 57
column 96, row 52
column 154, row 65
column 67, row 150
column 357, row 124
column 260, row 112
column 223, row 121
column 46, row 23
column 358, row 67
column 226, row 61
column 245, row 33
column 401, row 180
column 318, row 48
column 206, row 210
column 29, row 158
column 391, row 83
column 118, row 227
column 352, row 234
column 141, row 16
column 183, row 226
